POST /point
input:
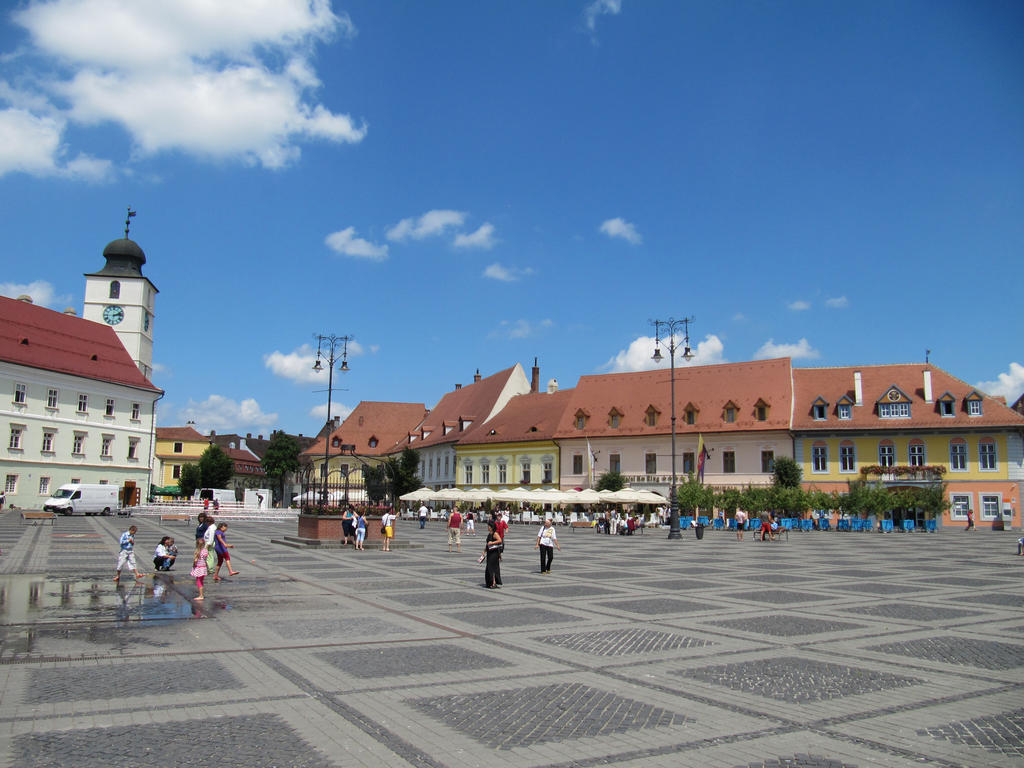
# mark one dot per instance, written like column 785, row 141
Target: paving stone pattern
column 526, row 716
column 826, row 650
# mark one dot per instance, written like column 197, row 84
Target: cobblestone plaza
column 831, row 649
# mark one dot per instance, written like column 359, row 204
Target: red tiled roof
column 388, row 423
column 472, row 402
column 831, row 384
column 707, row 387
column 41, row 338
column 534, row 416
column 182, row 434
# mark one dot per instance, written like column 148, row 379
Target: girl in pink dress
column 199, row 569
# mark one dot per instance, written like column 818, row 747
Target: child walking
column 199, row 569
column 221, row 547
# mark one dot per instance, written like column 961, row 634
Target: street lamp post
column 671, row 327
column 327, row 346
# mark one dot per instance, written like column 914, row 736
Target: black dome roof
column 124, row 258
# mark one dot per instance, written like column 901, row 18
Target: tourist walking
column 970, row 520
column 741, row 523
column 360, row 525
column 547, row 542
column 221, row 547
column 492, row 554
column 455, row 530
column 127, row 554
column 387, row 528
column 470, row 525
column 423, row 516
column 199, row 568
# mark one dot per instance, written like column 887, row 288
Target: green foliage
column 693, row 496
column 406, row 480
column 729, row 500
column 378, row 479
column 756, row 500
column 191, row 479
column 281, row 458
column 787, row 473
column 792, row 502
column 610, row 481
column 215, row 467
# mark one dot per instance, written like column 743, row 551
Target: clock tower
column 122, row 297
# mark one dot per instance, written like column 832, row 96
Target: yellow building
column 176, row 447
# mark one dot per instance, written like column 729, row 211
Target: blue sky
column 466, row 185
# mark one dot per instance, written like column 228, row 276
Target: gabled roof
column 181, row 434
column 533, row 416
column 41, row 338
column 706, row 387
column 876, row 381
column 475, row 402
column 387, row 422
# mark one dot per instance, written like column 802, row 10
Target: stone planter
column 328, row 528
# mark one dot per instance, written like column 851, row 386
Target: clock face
column 113, row 315
column 893, row 395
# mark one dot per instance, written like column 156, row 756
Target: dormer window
column 729, row 413
column 974, row 404
column 946, row 405
column 614, row 418
column 894, row 405
column 690, row 413
column 335, row 442
column 761, row 410
column 819, row 409
column 581, row 419
column 844, row 410
column 651, row 416
column 373, row 442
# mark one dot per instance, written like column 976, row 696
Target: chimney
column 248, row 435
column 535, row 378
column 258, row 437
column 241, row 443
column 25, row 298
column 70, row 311
column 858, row 389
column 458, row 386
column 552, row 386
column 476, row 376
column 928, row 386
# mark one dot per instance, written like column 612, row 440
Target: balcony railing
column 904, row 474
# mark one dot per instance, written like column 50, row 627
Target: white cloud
column 801, row 350
column 430, row 224
column 799, row 305
column 497, row 271
column 521, row 329
column 1010, row 384
column 621, row 228
column 319, row 412
column 219, row 80
column 482, row 238
column 32, row 144
column 838, row 302
column 600, row 8
column 42, row 293
column 638, row 355
column 346, row 243
column 297, row 365
column 226, row 415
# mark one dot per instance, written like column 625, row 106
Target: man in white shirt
column 423, row 515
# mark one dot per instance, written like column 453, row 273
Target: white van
column 83, row 499
column 220, row 495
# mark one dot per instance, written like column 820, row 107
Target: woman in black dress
column 492, row 553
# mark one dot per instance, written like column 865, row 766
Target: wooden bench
column 780, row 535
column 171, row 518
column 38, row 518
column 581, row 524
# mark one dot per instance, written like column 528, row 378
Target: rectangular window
column 15, row 438
column 917, row 454
column 688, row 465
column 652, row 418
column 485, row 474
column 886, row 455
column 20, row 394
column 959, row 504
column 11, row 484
column 577, row 464
column 109, row 410
column 987, row 456
column 958, row 457
column 819, row 412
column 136, row 411
column 819, row 458
column 83, row 403
column 51, row 398
column 44, row 486
column 47, row 446
column 178, row 447
column 133, row 447
column 176, row 471
column 581, row 422
column 502, row 474
column 990, row 504
column 767, row 461
column 691, row 417
column 761, row 412
column 730, row 415
column 946, row 407
column 974, row 407
column 105, row 445
column 78, row 446
column 894, row 410
column 469, row 474
column 847, row 458
column 614, row 421
column 525, row 473
column 728, row 461
column 845, row 412
column 614, row 462
column 651, row 463
column 549, row 471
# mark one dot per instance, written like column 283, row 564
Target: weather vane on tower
column 128, row 221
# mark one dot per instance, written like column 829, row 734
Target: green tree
column 190, row 480
column 693, row 496
column 281, row 459
column 215, row 467
column 729, row 500
column 378, row 479
column 787, row 473
column 610, row 481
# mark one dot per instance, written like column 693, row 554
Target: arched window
column 115, row 289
